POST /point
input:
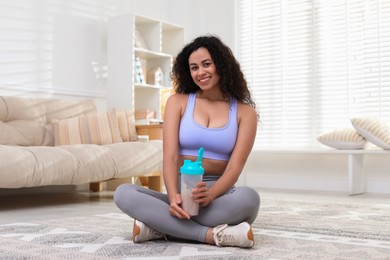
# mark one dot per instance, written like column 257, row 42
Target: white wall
column 319, row 172
column 57, row 48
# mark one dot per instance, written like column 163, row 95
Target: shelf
column 148, row 86
column 140, row 54
column 147, row 54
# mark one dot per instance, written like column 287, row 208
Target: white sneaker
column 240, row 235
column 142, row 232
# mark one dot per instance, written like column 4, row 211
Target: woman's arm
column 172, row 116
column 247, row 127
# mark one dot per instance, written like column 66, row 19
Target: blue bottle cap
column 193, row 168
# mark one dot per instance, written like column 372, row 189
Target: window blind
column 314, row 64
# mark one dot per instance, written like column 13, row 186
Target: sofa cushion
column 17, row 108
column 42, row 110
column 35, row 166
column 77, row 164
column 95, row 162
column 25, row 133
column 24, row 121
column 136, row 158
column 98, row 128
column 45, row 165
column 126, row 122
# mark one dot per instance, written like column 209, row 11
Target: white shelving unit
column 155, row 44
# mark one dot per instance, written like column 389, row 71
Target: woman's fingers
column 176, row 211
column 199, row 192
column 201, row 184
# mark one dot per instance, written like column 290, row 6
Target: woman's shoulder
column 245, row 107
column 246, row 110
column 177, row 100
column 176, row 97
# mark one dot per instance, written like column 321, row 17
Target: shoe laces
column 227, row 238
column 159, row 234
column 155, row 232
column 219, row 234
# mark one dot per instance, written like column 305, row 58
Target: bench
column 356, row 175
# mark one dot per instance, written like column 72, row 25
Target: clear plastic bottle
column 191, row 174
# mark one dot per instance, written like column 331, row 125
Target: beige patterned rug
column 285, row 229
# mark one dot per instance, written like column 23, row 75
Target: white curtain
column 314, row 64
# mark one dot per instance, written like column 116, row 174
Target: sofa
column 48, row 141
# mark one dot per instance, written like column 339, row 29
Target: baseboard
column 313, row 184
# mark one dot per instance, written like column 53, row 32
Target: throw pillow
column 126, row 122
column 98, row 128
column 66, row 131
column 374, row 130
column 343, row 139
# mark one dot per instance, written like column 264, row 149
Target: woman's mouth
column 204, row 80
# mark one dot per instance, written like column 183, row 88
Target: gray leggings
column 237, row 205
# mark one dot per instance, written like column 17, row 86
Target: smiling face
column 203, row 70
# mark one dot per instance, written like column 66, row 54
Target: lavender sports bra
column 218, row 143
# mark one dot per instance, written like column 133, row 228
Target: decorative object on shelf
column 139, row 40
column 155, row 76
column 139, row 73
column 144, row 114
column 152, row 121
column 143, row 138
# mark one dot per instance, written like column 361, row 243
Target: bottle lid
column 193, row 168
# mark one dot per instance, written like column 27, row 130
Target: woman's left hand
column 202, row 194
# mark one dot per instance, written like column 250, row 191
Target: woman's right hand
column 175, row 209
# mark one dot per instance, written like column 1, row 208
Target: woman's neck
column 213, row 95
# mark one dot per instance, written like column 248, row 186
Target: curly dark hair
column 232, row 80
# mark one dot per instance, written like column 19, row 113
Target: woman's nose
column 201, row 71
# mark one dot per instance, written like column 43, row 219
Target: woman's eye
column 194, row 68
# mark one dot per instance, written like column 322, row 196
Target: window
column 314, row 64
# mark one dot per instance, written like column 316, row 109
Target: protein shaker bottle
column 191, row 174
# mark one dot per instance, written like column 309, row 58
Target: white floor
column 41, row 203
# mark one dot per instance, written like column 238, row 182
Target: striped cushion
column 98, row 128
column 374, row 129
column 343, row 139
column 126, row 122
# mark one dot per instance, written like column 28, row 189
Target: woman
column 212, row 108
